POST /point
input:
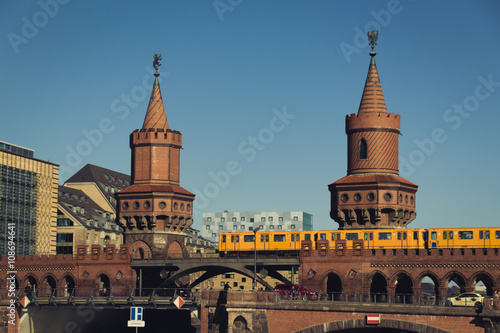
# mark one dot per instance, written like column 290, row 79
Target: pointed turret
column 372, row 195
column 372, row 100
column 155, row 210
column 155, row 114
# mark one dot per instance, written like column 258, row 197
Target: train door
column 425, row 238
column 484, row 238
column 235, row 243
column 434, row 242
column 264, row 239
column 402, row 239
column 368, row 238
column 448, row 239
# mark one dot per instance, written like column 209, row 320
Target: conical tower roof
column 372, row 100
column 155, row 115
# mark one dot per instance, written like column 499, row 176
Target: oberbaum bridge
column 155, row 210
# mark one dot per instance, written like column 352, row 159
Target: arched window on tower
column 363, row 150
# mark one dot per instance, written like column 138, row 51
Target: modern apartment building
column 215, row 223
column 28, row 201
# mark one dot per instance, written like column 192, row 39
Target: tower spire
column 372, row 100
column 155, row 114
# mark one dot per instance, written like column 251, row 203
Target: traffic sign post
column 136, row 316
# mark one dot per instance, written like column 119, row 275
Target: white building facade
column 216, row 223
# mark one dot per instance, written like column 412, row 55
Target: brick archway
column 141, row 250
column 174, row 250
column 356, row 324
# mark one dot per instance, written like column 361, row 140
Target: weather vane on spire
column 156, row 62
column 372, row 38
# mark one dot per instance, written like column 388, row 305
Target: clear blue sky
column 231, row 66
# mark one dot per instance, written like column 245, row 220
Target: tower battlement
column 379, row 120
column 156, row 135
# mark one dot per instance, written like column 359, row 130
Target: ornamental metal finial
column 372, row 38
column 156, row 62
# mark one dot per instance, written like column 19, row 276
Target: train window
column 465, row 234
column 497, row 234
column 297, row 237
column 399, row 236
column 279, row 238
column 404, row 235
column 371, row 235
column 450, row 234
column 223, row 238
column 444, row 234
column 425, row 234
column 267, row 238
column 322, row 236
column 237, row 239
column 232, row 239
column 262, row 238
column 434, row 235
column 365, row 236
column 480, row 234
column 248, row 238
column 415, row 235
column 307, row 237
column 333, row 237
column 293, row 238
column 384, row 235
column 487, row 234
column 351, row 235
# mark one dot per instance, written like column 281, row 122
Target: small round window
column 344, row 197
column 147, row 205
column 125, row 205
column 357, row 197
column 162, row 205
column 176, row 206
column 388, row 197
column 371, row 196
column 136, row 205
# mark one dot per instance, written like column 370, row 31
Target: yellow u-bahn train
column 289, row 242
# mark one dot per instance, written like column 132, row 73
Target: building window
column 242, row 227
column 220, row 227
column 295, row 218
column 234, row 219
column 250, row 228
column 209, row 219
column 261, row 227
column 281, row 218
column 270, row 219
column 208, row 227
column 251, row 219
column 262, row 219
column 214, row 235
column 363, row 150
column 271, row 227
column 292, row 226
column 222, row 219
column 280, row 226
column 242, row 219
column 235, row 227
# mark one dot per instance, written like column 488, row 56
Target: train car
column 285, row 243
column 477, row 237
column 267, row 243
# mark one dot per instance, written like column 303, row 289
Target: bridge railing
column 68, row 294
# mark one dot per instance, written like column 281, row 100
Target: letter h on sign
column 135, row 313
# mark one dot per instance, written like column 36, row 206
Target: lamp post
column 255, row 257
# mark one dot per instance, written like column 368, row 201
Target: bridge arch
column 376, row 282
column 140, row 250
column 174, row 250
column 48, row 285
column 68, row 283
column 32, row 279
column 102, row 283
column 484, row 277
column 332, row 283
column 403, row 283
column 359, row 326
column 456, row 277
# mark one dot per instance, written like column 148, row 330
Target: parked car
column 295, row 291
column 465, row 299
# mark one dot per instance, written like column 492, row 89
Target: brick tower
column 372, row 195
column 155, row 210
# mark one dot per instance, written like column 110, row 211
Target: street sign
column 25, row 301
column 373, row 318
column 178, row 302
column 136, row 317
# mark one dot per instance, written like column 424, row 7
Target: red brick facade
column 155, row 210
column 372, row 195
